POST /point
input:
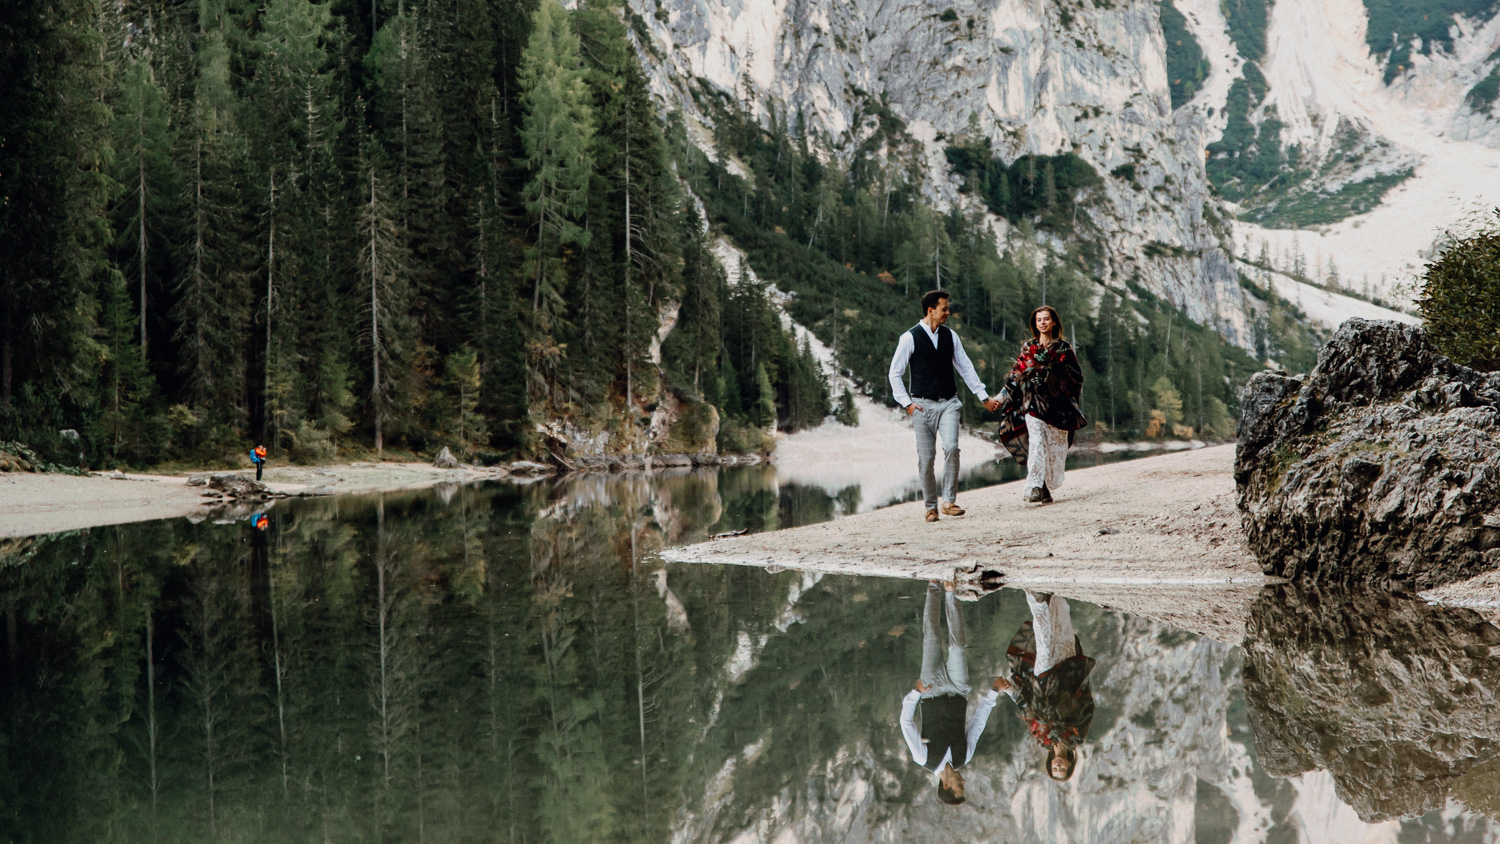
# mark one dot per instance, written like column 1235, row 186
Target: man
column 934, row 351
column 946, row 739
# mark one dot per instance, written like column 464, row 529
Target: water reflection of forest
column 514, row 663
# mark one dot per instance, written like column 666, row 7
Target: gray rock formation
column 239, row 487
column 528, row 469
column 1383, row 466
column 1395, row 698
column 445, row 460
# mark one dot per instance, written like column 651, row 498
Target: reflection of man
column 1049, row 680
column 933, row 351
column 945, row 741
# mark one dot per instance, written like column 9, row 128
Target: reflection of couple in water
column 1048, row 679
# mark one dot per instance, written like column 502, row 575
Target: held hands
column 1001, row 684
column 922, row 688
column 991, row 405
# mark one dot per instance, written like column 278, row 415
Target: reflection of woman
column 1049, row 680
column 1044, row 385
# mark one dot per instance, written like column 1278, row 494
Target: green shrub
column 1460, row 300
column 846, row 413
column 1483, row 95
column 736, row 437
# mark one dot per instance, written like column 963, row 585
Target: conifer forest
column 351, row 227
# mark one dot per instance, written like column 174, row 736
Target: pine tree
column 212, row 312
column 126, row 390
column 143, row 140
column 53, row 197
column 290, row 96
column 763, row 412
column 460, row 422
column 383, row 275
column 501, row 343
column 692, row 347
column 556, row 132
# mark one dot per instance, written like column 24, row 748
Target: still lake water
column 508, row 662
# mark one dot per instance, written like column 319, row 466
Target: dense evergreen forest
column 339, row 226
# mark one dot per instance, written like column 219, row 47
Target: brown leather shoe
column 932, row 515
column 952, row 510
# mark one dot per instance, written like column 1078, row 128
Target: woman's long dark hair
column 1069, row 754
column 1057, row 333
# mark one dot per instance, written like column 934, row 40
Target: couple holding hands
column 1038, row 405
column 1047, row 677
column 1048, row 672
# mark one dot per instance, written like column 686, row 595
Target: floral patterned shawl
column 1045, row 382
column 1057, row 707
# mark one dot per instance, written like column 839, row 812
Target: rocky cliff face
column 1395, row 698
column 1383, row 466
column 1036, row 76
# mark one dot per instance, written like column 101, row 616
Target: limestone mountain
column 1013, row 78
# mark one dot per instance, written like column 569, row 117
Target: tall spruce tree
column 52, row 210
column 212, row 311
column 556, row 129
column 383, row 268
column 290, row 96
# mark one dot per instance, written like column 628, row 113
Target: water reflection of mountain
column 811, row 750
column 1395, row 698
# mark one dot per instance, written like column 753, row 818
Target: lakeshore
column 1158, row 536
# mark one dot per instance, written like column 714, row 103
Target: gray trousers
column 943, row 666
column 937, row 419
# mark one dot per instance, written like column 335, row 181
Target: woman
column 1044, row 386
column 1049, row 680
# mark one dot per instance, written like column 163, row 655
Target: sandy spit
column 1157, row 536
column 32, row 504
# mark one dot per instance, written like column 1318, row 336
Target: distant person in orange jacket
column 258, row 457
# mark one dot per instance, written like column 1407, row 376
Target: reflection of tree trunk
column 278, row 667
column 383, row 605
column 640, row 676
column 502, row 742
column 151, row 726
column 12, row 646
column 209, row 671
column 391, row 687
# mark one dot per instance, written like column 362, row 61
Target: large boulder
column 1397, row 699
column 239, row 487
column 1381, row 467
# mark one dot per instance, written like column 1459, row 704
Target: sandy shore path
column 1157, row 536
column 33, row 504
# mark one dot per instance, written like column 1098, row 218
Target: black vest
column 932, row 368
column 943, row 725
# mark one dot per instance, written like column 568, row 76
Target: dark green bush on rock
column 1460, row 301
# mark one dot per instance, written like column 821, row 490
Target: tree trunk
column 141, row 235
column 267, row 424
column 7, row 358
column 375, row 320
column 629, row 357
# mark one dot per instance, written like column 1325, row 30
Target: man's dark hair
column 948, row 796
column 931, row 298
